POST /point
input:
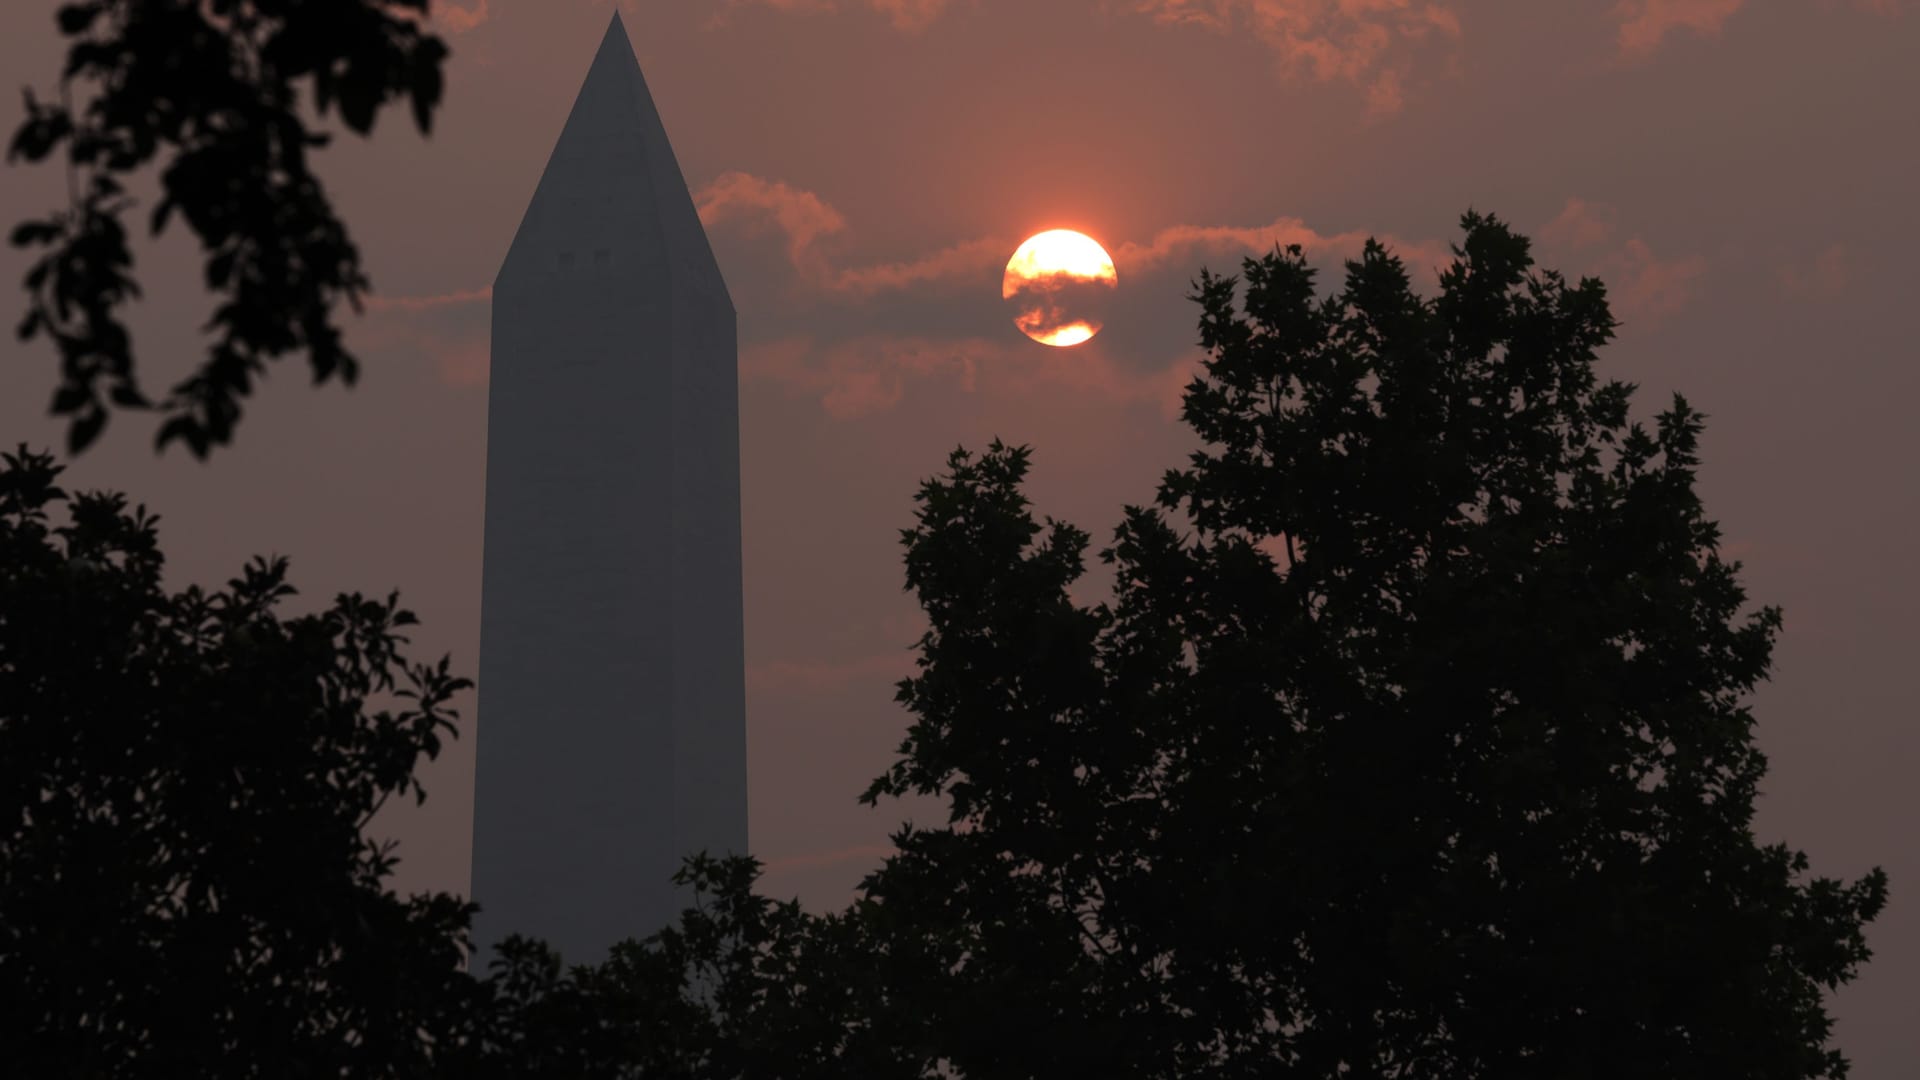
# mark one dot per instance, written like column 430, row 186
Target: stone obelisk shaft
column 611, row 719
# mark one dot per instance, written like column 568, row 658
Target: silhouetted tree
column 213, row 87
column 184, row 885
column 741, row 987
column 1420, row 748
column 1425, row 752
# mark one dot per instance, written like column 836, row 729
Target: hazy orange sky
column 1743, row 175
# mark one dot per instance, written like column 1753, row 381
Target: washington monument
column 612, row 715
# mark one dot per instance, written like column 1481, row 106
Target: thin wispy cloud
column 1644, row 284
column 805, row 221
column 1646, row 24
column 459, row 298
column 448, row 330
column 1586, row 236
column 456, row 18
column 1183, row 248
column 864, row 375
column 876, row 373
column 1372, row 44
column 905, row 15
column 814, row 859
column 1581, row 226
column 1368, row 43
column 460, row 356
column 871, row 372
column 1824, row 277
column 788, row 676
column 801, row 215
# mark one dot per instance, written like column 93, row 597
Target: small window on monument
column 566, row 259
column 601, row 256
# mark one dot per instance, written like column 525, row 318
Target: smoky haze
column 1743, row 180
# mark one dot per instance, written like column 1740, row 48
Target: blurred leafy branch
column 212, row 91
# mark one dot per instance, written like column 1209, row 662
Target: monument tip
column 616, row 30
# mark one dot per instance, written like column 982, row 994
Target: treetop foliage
column 1414, row 741
column 185, row 887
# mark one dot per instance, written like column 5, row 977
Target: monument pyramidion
column 611, row 735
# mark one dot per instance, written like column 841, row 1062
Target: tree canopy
column 212, row 90
column 1414, row 742
column 185, row 888
column 1421, row 748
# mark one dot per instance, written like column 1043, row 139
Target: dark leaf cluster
column 741, row 987
column 211, row 91
column 185, row 885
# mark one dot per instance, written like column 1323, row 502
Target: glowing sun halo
column 1057, row 284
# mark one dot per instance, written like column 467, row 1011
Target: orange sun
column 1058, row 283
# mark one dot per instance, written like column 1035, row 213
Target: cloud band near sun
column 854, row 375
